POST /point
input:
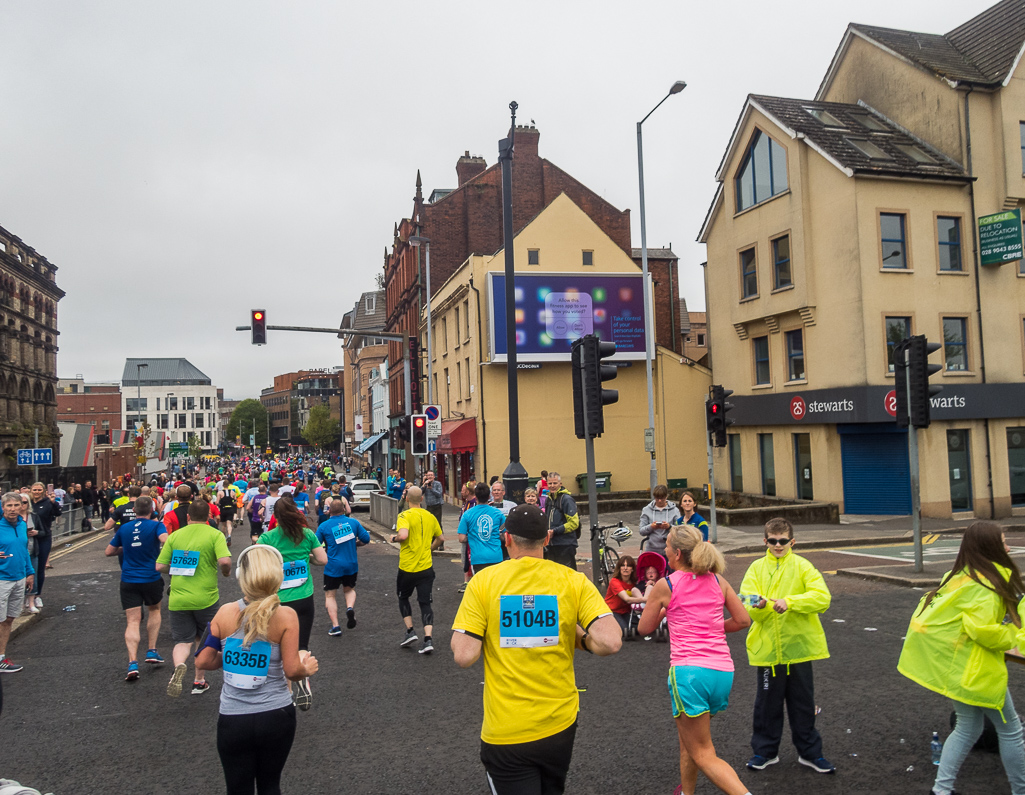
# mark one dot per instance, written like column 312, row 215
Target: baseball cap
column 526, row 521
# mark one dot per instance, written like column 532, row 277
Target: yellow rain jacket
column 956, row 646
column 796, row 635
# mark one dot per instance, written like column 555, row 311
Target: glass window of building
column 781, row 262
column 763, row 173
column 1016, row 465
column 802, row 462
column 748, row 274
column 736, row 468
column 761, row 351
column 955, row 344
column 795, row 355
column 891, row 229
column 948, row 233
column 768, row 463
column 533, row 256
column 897, row 329
column 958, row 460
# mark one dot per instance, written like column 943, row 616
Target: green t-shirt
column 298, row 584
column 196, row 590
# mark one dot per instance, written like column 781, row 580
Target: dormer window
column 371, row 304
column 763, row 173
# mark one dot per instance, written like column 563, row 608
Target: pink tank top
column 695, row 618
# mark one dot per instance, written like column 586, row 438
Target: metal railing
column 68, row 523
column 383, row 509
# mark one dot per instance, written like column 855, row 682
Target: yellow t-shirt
column 415, row 553
column 526, row 611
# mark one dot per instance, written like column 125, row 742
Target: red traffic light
column 257, row 315
column 714, row 408
column 418, row 422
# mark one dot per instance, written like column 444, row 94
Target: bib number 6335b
column 528, row 621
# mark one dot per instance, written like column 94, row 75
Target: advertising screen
column 554, row 309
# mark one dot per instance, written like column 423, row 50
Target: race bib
column 342, row 533
column 245, row 668
column 183, row 562
column 528, row 621
column 296, row 574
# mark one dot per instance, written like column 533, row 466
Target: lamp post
column 649, row 330
column 415, row 241
column 139, row 366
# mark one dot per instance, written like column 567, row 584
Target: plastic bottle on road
column 937, row 747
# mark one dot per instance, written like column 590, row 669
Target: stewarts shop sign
column 876, row 404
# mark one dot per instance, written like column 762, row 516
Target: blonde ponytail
column 256, row 618
column 699, row 556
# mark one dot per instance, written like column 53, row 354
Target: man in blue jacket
column 341, row 534
column 16, row 572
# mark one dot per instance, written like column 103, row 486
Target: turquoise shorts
column 695, row 691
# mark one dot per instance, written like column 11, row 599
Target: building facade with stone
column 172, row 396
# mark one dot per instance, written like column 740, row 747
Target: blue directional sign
column 432, row 445
column 38, row 456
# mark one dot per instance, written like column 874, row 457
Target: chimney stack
column 526, row 140
column 469, row 167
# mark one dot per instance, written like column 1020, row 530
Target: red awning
column 458, row 436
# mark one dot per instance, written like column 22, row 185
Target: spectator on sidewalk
column 433, row 495
column 657, row 517
column 45, row 509
column 16, row 572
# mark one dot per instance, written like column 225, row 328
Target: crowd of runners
column 525, row 610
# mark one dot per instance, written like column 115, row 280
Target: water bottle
column 937, row 747
column 750, row 599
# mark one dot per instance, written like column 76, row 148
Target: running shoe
column 334, row 631
column 39, row 602
column 133, row 671
column 428, row 646
column 174, row 687
column 7, row 667
column 351, row 616
column 31, row 608
column 199, row 688
column 819, row 765
column 228, row 540
column 410, row 637
column 761, row 762
column 461, row 588
column 154, row 658
column 303, row 696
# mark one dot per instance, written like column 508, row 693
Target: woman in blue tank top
column 256, row 641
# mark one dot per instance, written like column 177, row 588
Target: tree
column 322, row 430
column 195, row 446
column 242, row 421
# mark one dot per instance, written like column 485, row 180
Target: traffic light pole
column 713, row 528
column 592, row 504
column 916, row 497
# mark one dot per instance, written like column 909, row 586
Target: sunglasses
column 778, row 542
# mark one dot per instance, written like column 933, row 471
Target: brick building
column 468, row 220
column 98, row 405
column 290, row 398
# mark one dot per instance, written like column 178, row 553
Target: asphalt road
column 387, row 720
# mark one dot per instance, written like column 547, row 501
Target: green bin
column 602, row 483
column 677, row 483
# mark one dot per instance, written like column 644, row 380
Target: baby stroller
column 644, row 560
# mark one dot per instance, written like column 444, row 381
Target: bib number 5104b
column 528, row 621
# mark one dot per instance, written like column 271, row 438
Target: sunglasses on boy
column 778, row 542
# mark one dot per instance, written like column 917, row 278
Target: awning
column 366, row 444
column 458, row 436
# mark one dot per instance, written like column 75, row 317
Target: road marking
column 66, row 551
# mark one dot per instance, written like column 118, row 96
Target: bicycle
column 608, row 558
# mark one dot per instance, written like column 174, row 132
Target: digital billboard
column 554, row 309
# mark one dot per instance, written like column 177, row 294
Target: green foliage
column 195, row 446
column 247, row 412
column 322, row 430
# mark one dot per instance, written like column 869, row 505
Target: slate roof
column 684, row 316
column 653, row 253
column 982, row 51
column 172, row 372
column 365, row 321
column 838, row 143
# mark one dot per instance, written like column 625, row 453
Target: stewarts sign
column 875, row 404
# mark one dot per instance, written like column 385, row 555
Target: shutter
column 876, row 473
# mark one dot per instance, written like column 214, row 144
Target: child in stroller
column 651, row 567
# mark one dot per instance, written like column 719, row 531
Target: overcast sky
column 183, row 162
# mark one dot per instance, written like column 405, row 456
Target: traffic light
column 716, row 409
column 258, row 323
column 919, row 388
column 588, row 375
column 900, row 384
column 403, row 428
column 418, row 431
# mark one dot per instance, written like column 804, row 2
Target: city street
column 387, row 720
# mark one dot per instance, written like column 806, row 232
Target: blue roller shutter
column 876, row 474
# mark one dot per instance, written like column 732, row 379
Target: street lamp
column 649, row 330
column 138, row 404
column 415, row 241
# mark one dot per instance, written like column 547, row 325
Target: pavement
column 854, row 531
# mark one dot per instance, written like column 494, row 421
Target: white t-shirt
column 268, row 509
column 505, row 507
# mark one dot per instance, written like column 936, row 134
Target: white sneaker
column 31, row 608
column 39, row 602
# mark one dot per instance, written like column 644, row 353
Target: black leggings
column 304, row 609
column 254, row 748
column 423, row 583
column 43, row 545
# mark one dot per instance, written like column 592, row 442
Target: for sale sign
column 1000, row 237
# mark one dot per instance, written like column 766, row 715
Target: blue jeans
column 968, row 730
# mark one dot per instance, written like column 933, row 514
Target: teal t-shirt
column 298, row 582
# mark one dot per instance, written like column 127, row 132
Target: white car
column 361, row 492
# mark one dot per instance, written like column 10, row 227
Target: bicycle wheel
column 609, row 560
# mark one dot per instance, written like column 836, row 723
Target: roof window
column 869, row 122
column 915, row 153
column 869, row 149
column 825, row 117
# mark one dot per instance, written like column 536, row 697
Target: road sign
column 432, row 445
column 252, row 440
column 1000, row 237
column 433, row 421
column 141, row 459
column 35, row 457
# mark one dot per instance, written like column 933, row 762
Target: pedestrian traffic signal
column 716, row 409
column 418, row 434
column 589, row 373
column 918, row 372
column 258, row 324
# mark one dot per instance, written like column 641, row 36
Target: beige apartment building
column 842, row 225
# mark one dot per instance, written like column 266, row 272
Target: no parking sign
column 433, row 421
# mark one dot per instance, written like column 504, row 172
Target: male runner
column 419, row 534
column 481, row 528
column 527, row 615
column 226, row 504
column 192, row 556
column 139, row 540
column 341, row 535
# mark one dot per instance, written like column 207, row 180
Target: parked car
column 361, row 493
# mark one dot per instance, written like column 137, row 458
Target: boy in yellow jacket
column 785, row 636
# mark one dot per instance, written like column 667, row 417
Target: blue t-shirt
column 300, row 499
column 241, row 485
column 698, row 521
column 481, row 525
column 339, row 535
column 141, row 544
